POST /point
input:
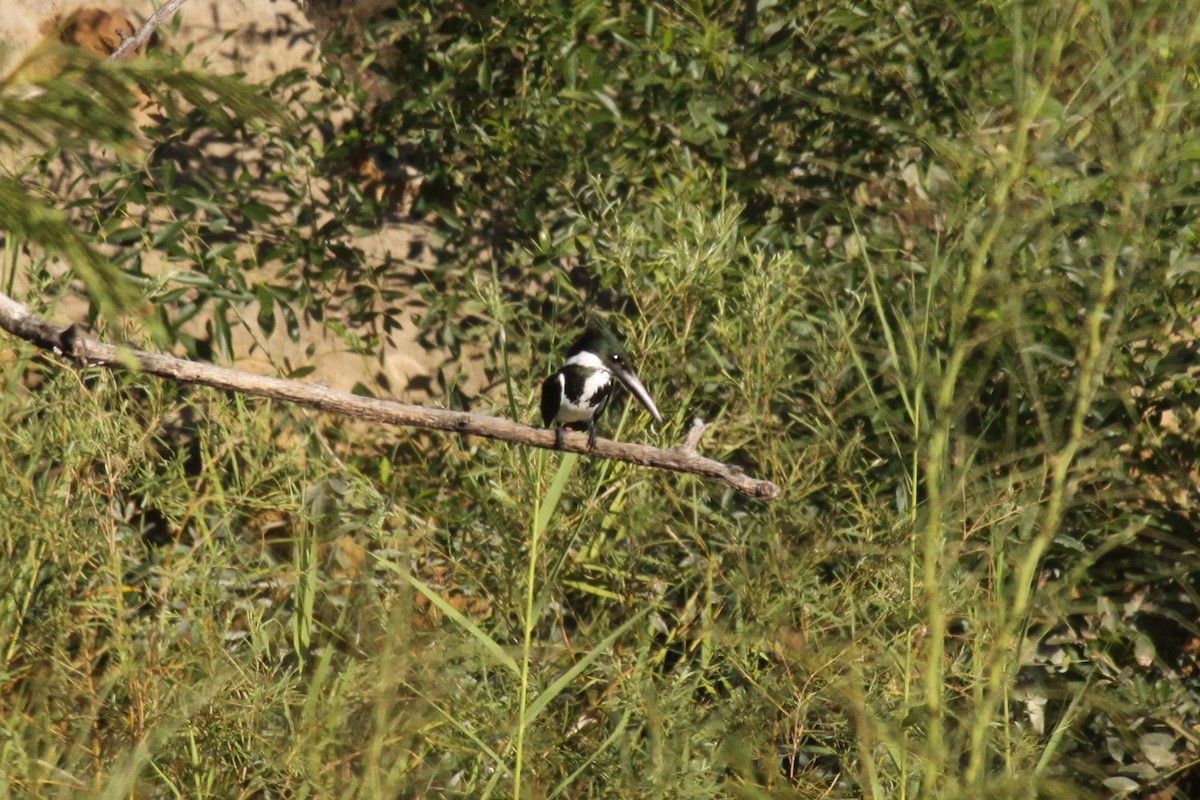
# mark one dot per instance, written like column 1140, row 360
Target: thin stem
column 527, row 644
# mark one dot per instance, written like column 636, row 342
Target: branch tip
column 692, row 440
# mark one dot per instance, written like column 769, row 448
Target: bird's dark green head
column 601, row 341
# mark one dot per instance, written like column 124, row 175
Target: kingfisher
column 575, row 396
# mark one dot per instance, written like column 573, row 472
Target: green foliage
column 66, row 99
column 524, row 118
column 932, row 271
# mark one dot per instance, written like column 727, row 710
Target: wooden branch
column 133, row 43
column 73, row 343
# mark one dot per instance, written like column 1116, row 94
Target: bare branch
column 21, row 322
column 143, row 34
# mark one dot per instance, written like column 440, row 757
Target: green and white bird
column 576, row 395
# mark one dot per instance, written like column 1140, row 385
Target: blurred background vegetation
column 932, row 270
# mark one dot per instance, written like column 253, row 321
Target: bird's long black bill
column 639, row 391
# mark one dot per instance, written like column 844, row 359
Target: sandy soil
column 263, row 38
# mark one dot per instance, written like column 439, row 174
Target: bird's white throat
column 587, row 360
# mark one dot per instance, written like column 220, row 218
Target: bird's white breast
column 581, row 408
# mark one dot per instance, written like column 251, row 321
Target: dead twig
column 692, row 441
column 143, row 34
column 71, row 342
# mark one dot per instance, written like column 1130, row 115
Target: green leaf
column 256, row 211
column 607, row 102
column 1158, row 747
column 563, row 681
column 266, row 309
column 489, row 644
column 554, row 493
column 1144, row 651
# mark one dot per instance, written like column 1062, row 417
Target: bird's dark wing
column 604, row 395
column 552, row 389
